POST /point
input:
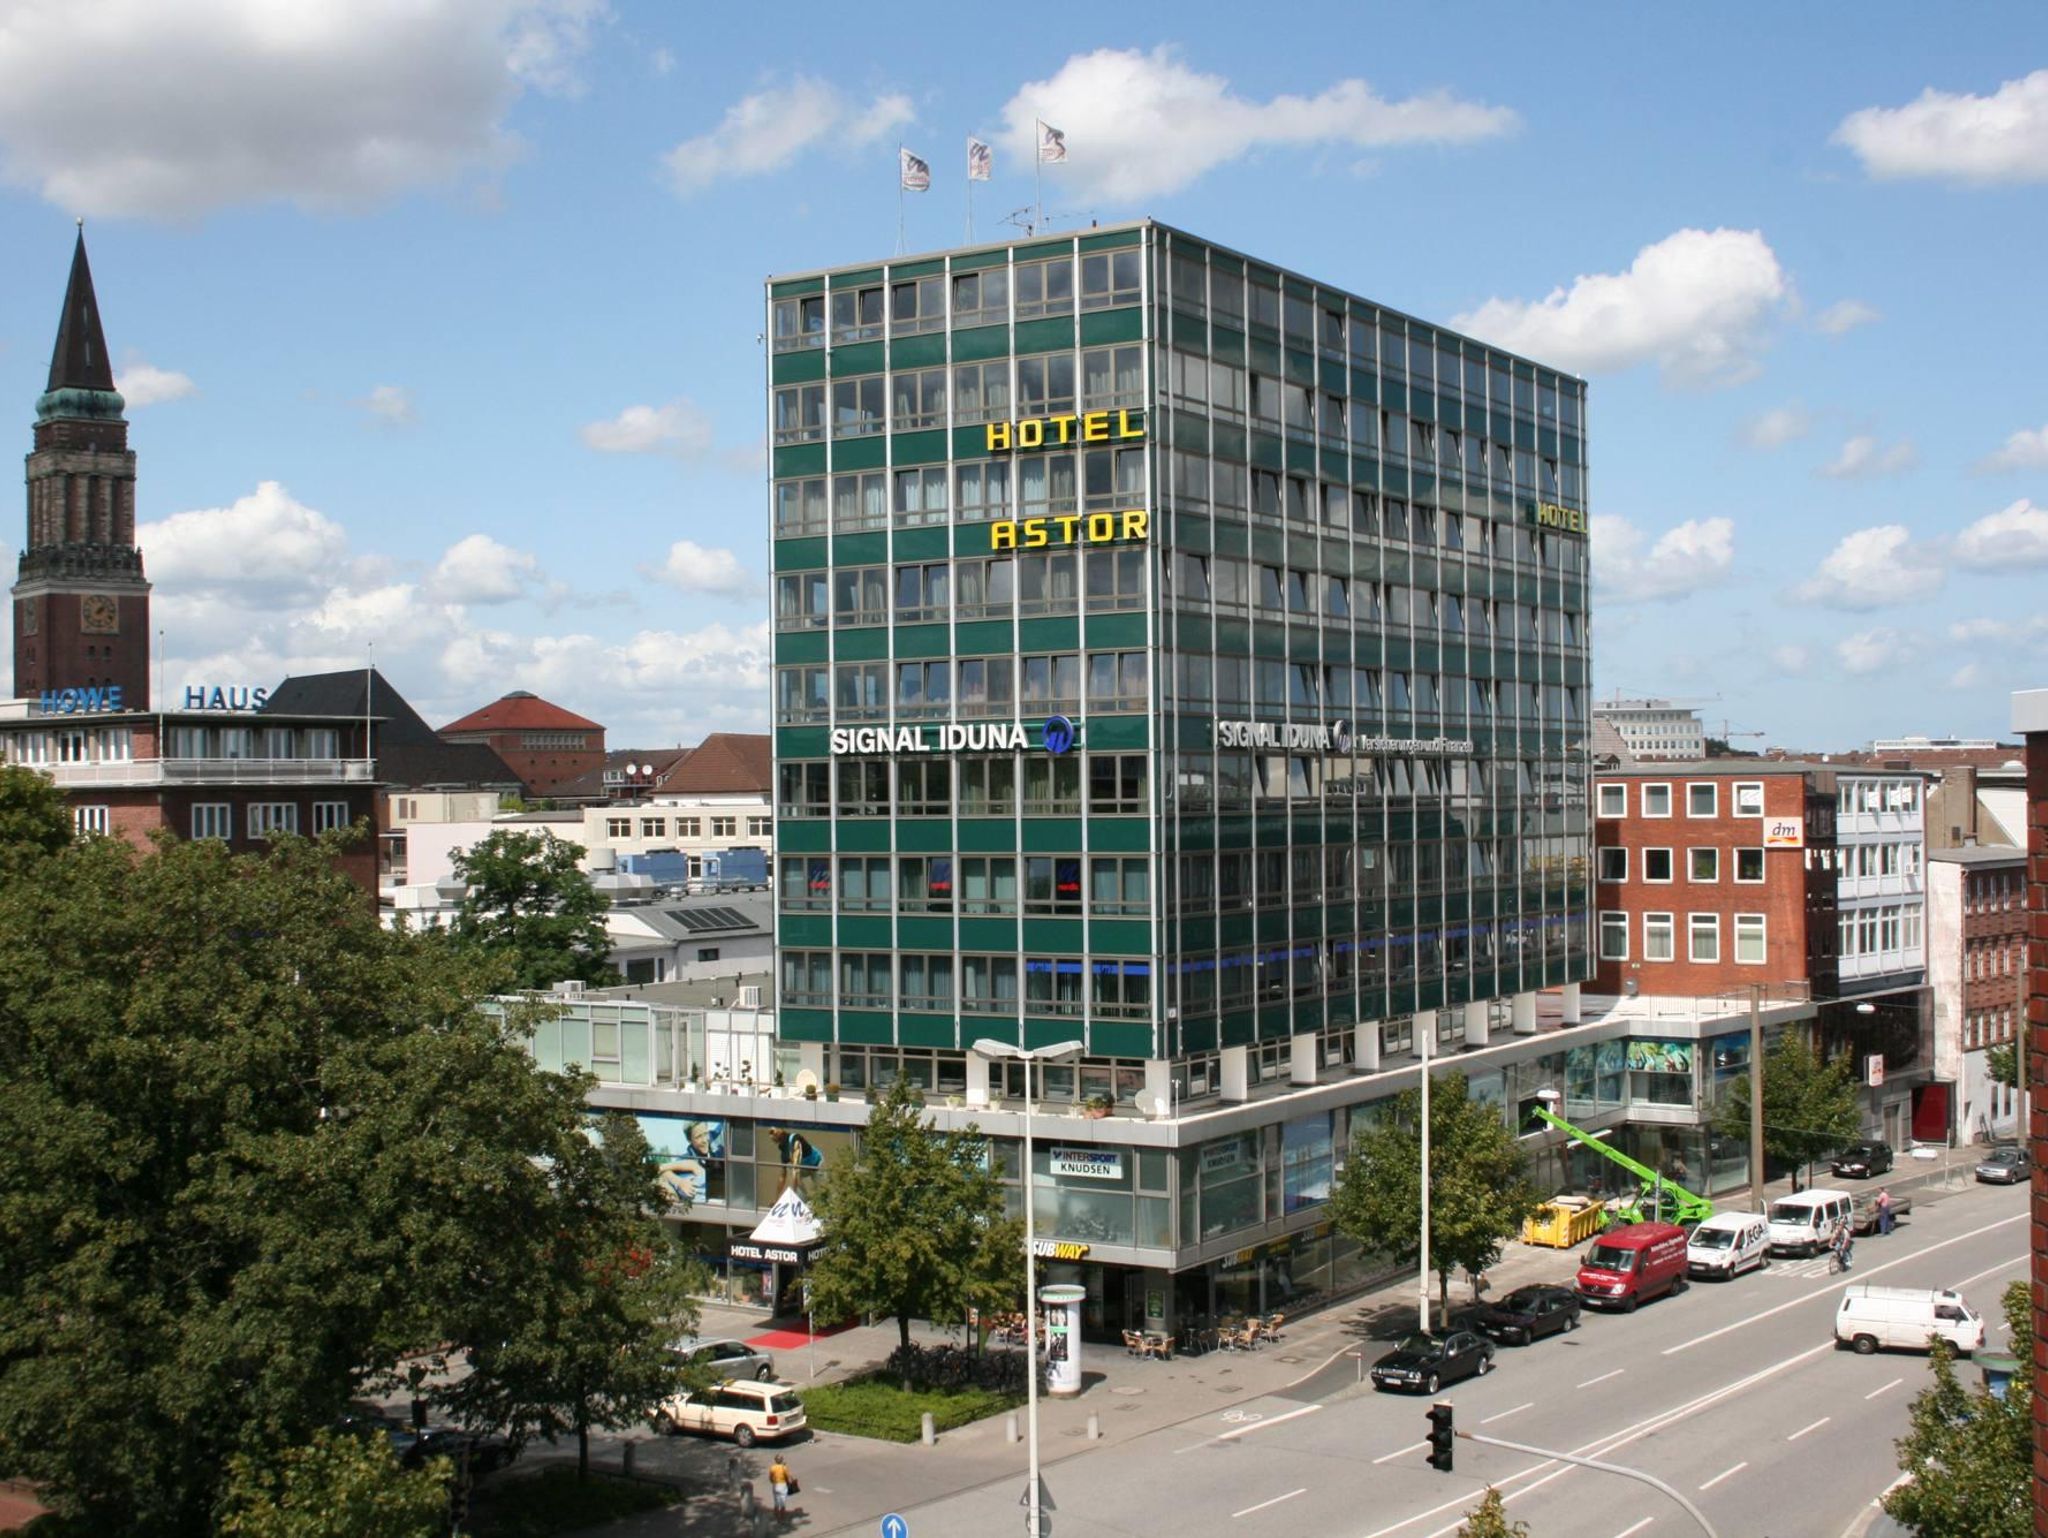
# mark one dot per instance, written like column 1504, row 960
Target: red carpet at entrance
column 794, row 1340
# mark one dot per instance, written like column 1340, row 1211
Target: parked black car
column 1528, row 1314
column 2003, row 1166
column 488, row 1450
column 1862, row 1160
column 1425, row 1363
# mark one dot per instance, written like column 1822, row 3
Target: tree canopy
column 531, row 912
column 1489, row 1519
column 337, row 1486
column 253, row 1148
column 1809, row 1106
column 1479, row 1188
column 1969, row 1455
column 914, row 1225
column 2002, row 1062
column 34, row 818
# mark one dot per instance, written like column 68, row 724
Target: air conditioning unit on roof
column 750, row 996
column 571, row 988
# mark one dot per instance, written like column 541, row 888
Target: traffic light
column 1440, row 1436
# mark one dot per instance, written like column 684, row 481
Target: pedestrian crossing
column 1787, row 1268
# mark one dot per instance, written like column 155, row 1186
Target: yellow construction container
column 1563, row 1222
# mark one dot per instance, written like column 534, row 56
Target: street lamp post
column 989, row 1047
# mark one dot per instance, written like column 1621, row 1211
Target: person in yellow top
column 779, row 1481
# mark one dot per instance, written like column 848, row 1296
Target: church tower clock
column 81, row 604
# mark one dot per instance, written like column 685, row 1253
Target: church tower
column 81, row 604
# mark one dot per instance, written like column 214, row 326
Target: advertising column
column 1062, row 1312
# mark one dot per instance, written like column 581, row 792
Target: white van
column 1908, row 1317
column 1805, row 1223
column 1728, row 1244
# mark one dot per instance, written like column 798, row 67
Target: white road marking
column 1517, row 1410
column 1701, row 1340
column 1627, row 1531
column 1276, row 1500
column 1814, row 1427
column 1877, row 1500
column 1726, row 1474
column 1414, row 1447
column 1258, row 1425
column 1876, row 1391
column 1603, row 1377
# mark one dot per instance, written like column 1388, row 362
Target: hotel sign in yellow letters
column 1068, row 529
column 1040, row 432
column 1551, row 515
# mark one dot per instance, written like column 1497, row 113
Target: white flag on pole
column 917, row 175
column 980, row 161
column 1052, row 144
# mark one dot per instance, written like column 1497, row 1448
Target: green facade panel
column 1048, row 635
column 801, row 646
column 1051, row 835
column 1118, row 835
column 865, row 453
column 1118, row 937
column 861, row 643
column 1120, row 1038
column 924, row 835
column 799, row 459
column 866, row 1028
column 1045, row 335
column 865, row 931
column 940, row 1031
column 859, row 358
column 797, row 367
column 923, row 641
column 981, row 638
column 863, row 835
column 920, row 932
column 804, row 929
column 1117, row 733
column 997, row 935
column 927, row 544
column 859, row 549
column 921, row 448
column 1120, row 630
column 1099, row 327
column 796, row 287
column 804, row 1024
column 981, row 343
column 802, row 741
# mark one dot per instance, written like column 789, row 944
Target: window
column 1045, row 384
column 981, row 491
column 1052, row 885
column 1613, row 801
column 800, row 413
column 917, row 304
column 865, row 980
column 724, row 827
column 1113, row 376
column 1657, row 865
column 213, row 819
column 618, row 827
column 1749, row 939
column 988, row 884
column 860, row 595
column 1117, row 681
column 1613, row 864
column 1703, row 864
column 1116, row 784
column 330, row 816
column 799, row 322
column 800, row 601
column 1702, row 800
column 981, row 298
column 863, row 883
column 1044, row 288
column 1749, row 866
column 923, row 592
column 1656, row 800
column 1614, row 937
column 857, row 314
column 91, row 819
column 268, row 817
column 924, row 689
column 689, row 827
column 1119, row 885
column 1111, row 277
column 924, row 789
column 707, row 953
column 860, row 501
column 920, row 496
column 981, row 392
column 918, row 399
column 858, row 406
column 1749, row 798
column 1121, row 989
column 1703, row 936
column 1658, row 937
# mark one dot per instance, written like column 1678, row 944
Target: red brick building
column 549, row 748
column 2030, row 718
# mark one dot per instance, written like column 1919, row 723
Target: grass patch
column 876, row 1406
column 553, row 1501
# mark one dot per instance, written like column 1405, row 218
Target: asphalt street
column 1731, row 1392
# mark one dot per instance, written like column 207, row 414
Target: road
column 1732, row 1392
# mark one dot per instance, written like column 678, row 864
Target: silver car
column 2003, row 1166
column 726, row 1358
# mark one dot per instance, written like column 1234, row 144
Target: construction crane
column 1729, row 735
column 1660, row 1193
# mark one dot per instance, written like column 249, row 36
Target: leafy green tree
column 579, row 1337
column 531, row 912
column 914, row 1225
column 1479, row 1188
column 1969, row 1456
column 336, row 1486
column 34, row 817
column 2002, row 1062
column 254, row 1147
column 1809, row 1105
column 1489, row 1519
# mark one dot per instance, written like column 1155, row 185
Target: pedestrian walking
column 1841, row 1248
column 1884, row 1212
column 780, row 1482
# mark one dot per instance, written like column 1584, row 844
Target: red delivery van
column 1633, row 1264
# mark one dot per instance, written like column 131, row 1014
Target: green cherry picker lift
column 1660, row 1194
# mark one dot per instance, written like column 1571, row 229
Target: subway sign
column 1069, row 529
column 1043, row 432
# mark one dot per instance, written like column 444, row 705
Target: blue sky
column 438, row 320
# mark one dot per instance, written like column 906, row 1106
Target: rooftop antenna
column 1018, row 217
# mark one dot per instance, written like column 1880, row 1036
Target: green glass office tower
column 1183, row 657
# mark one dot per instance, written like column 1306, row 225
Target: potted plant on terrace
column 1096, row 1106
column 831, row 1091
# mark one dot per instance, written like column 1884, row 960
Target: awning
column 786, row 1237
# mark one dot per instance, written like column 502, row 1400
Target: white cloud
column 2002, row 137
column 1864, row 456
column 1871, row 651
column 1844, row 315
column 137, row 108
column 766, row 131
column 693, row 568
column 680, row 428
column 144, row 384
column 1774, row 429
column 1969, row 676
column 1872, row 569
column 479, row 570
column 2001, row 633
column 2026, row 449
column 1696, row 303
column 1697, row 553
column 390, row 405
column 264, row 548
column 1141, row 125
column 1791, row 659
column 661, row 61
column 2015, row 538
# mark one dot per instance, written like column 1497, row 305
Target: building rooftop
column 522, row 710
column 1981, row 854
column 410, row 754
column 1756, row 767
column 724, row 762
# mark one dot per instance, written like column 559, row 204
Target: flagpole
column 899, row 199
column 1037, row 175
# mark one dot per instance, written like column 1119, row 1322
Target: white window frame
column 1754, row 927
column 1652, row 924
column 220, row 817
column 1665, row 787
column 1599, row 870
column 1713, row 791
column 1735, row 866
column 1712, row 849
column 1671, row 865
column 1617, row 790
column 330, row 817
column 1697, row 924
column 92, row 819
column 1747, row 798
column 264, row 818
column 1613, row 923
